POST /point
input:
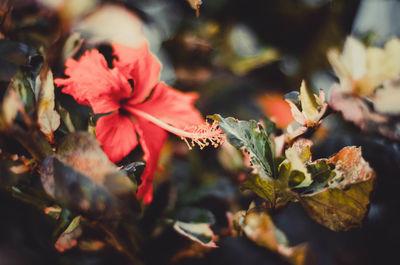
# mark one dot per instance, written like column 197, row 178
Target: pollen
column 204, row 135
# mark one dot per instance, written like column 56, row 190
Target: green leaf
column 337, row 209
column 344, row 203
column 269, row 125
column 266, row 181
column 296, row 178
column 265, row 188
column 73, row 225
column 276, row 192
column 251, row 137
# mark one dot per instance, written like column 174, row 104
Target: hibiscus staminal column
column 203, row 134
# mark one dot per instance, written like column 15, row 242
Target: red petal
column 117, row 134
column 139, row 65
column 172, row 106
column 152, row 139
column 92, row 83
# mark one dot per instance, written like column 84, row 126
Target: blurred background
column 241, row 57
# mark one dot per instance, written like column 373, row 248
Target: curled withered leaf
column 260, row 228
column 350, row 168
column 343, row 202
column 49, row 121
column 81, row 176
column 335, row 191
column 69, row 238
column 48, row 118
column 71, row 188
column 199, row 232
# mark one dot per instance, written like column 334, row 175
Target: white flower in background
column 361, row 70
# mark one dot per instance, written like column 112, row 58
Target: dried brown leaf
column 259, row 227
column 344, row 203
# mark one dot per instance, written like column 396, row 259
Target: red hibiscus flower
column 139, row 105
